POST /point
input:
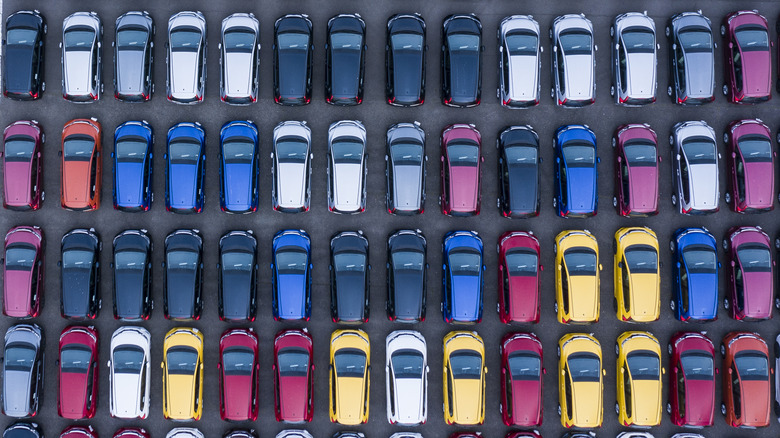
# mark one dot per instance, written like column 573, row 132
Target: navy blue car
column 238, row 169
column 463, row 277
column 576, row 175
column 133, row 144
column 237, row 269
column 185, row 168
column 695, row 272
column 291, row 275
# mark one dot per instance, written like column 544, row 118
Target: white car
column 635, row 435
column 406, row 435
column 291, row 170
column 129, row 373
column 406, row 369
column 184, row 432
column 293, row 433
column 695, row 168
column 347, row 168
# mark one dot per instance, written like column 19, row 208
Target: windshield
column 521, row 263
column 293, row 362
column 408, row 260
column 183, row 150
column 238, row 150
column 753, row 148
column 131, row 39
column 639, row 40
column 19, row 148
column 644, row 365
column 754, row 258
column 21, row 37
column 463, row 153
column 407, row 41
column 292, row 150
column 576, row 42
column 291, row 260
column 580, row 261
column 239, row 40
column 699, row 150
column 131, row 150
column 182, row 360
column 19, row 257
column 350, row 362
column 75, row 358
column 584, row 367
column 700, row 260
column 524, row 365
column 350, row 262
column 697, row 40
column 347, row 151
column 752, row 365
column 182, row 259
column 751, row 38
column 237, row 261
column 78, row 147
column 406, row 154
column 293, row 41
column 521, row 156
column 19, row 356
column 78, row 39
column 579, row 154
column 128, row 359
column 466, row 364
column 185, row 40
column 238, row 361
column 642, row 259
column 522, row 44
column 640, row 155
column 697, row 365
column 465, row 261
column 407, row 364
column 345, row 41
column 77, row 259
column 130, row 260
column 461, row 42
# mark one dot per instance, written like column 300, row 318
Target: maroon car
column 79, row 432
column 131, row 432
column 23, row 272
column 23, row 165
column 636, row 170
column 691, row 380
column 518, row 277
column 461, row 168
column 748, row 57
column 750, row 274
column 293, row 376
column 238, row 375
column 521, row 380
column 78, row 373
column 751, row 163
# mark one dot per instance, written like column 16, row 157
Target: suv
column 573, row 50
column 691, row 59
column 633, row 59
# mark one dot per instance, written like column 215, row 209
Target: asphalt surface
column 603, row 117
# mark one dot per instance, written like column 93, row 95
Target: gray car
column 573, row 61
column 82, row 41
column 239, row 59
column 291, row 170
column 347, row 168
column 634, row 59
column 186, row 57
column 691, row 59
column 405, row 168
column 23, row 360
column 519, row 62
column 133, row 57
column 694, row 168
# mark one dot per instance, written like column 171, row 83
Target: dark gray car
column 23, row 370
column 133, row 57
column 406, row 276
column 691, row 59
column 405, row 168
column 349, row 277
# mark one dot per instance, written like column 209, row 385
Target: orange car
column 81, row 165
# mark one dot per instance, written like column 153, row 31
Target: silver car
column 291, row 170
column 293, row 433
column 405, row 168
column 519, row 62
column 406, row 371
column 573, row 61
column 347, row 168
column 634, row 59
column 694, row 168
column 82, row 40
column 691, row 59
column 23, row 363
column 129, row 373
column 184, row 432
column 133, row 57
column 186, row 57
column 239, row 59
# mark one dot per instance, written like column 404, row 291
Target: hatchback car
column 291, row 275
column 293, row 433
column 184, row 432
column 23, row 267
column 751, row 275
column 131, row 432
column 463, row 277
column 23, row 361
column 134, row 57
column 519, row 62
column 23, row 165
column 519, row 175
column 24, row 42
column 347, row 167
column 573, row 61
column 182, row 373
column 519, row 277
column 464, row 378
column 78, row 373
column 747, row 380
column 349, row 377
column 133, row 159
column 580, row 381
column 691, row 380
column 748, row 57
column 521, row 380
column 345, row 59
column 293, row 371
column 637, row 166
column 349, row 277
column 82, row 166
column 461, row 60
column 239, row 59
column 129, row 373
column 691, row 59
column 406, row 276
column 633, row 59
column 751, row 166
column 239, row 167
column 639, row 381
column 576, row 172
column 239, row 370
column 240, row 433
column 406, row 372
column 637, row 279
column 23, row 429
column 183, row 275
column 79, row 432
column 186, row 57
column 293, row 50
column 405, row 163
column 694, row 168
column 82, row 65
column 461, row 170
column 80, row 274
column 237, row 269
column 576, row 277
column 185, row 168
column 291, row 169
column 405, row 51
column 132, row 266
column 695, row 272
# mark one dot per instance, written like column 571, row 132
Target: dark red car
column 691, row 380
column 79, row 432
column 746, row 380
column 750, row 274
column 747, row 55
column 751, row 164
column 131, row 432
column 524, row 434
column 461, row 168
column 518, row 277
column 23, row 272
column 78, row 373
column 521, row 380
column 636, row 170
column 238, row 375
column 293, row 376
column 23, row 165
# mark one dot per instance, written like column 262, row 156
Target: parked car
column 519, row 176
column 80, row 274
column 407, row 270
column 519, row 62
column 79, row 432
column 751, row 275
column 694, row 168
column 239, row 170
column 581, row 381
column 240, row 433
column 350, row 356
column 293, row 370
column 132, row 156
column 576, row 172
column 776, row 349
column 691, row 380
column 23, row 267
column 519, row 277
column 535, row 434
column 464, row 378
column 691, row 59
column 751, row 166
column 183, row 275
column 184, row 432
column 23, row 165
column 461, row 170
column 129, row 374
column 239, row 59
column 293, row 433
column 132, row 266
column 182, row 369
column 347, row 167
column 406, row 372
column 633, row 59
column 521, row 380
column 639, row 381
column 77, row 373
column 185, row 168
column 573, row 60
column 461, row 60
column 577, row 277
column 23, row 429
column 405, row 162
column 131, row 432
column 82, row 167
column 291, row 170
column 293, row 50
column 134, row 57
column 695, row 272
column 345, row 59
column 25, row 33
column 291, row 275
column 637, row 279
column 463, row 277
column 82, row 63
column 239, row 371
column 746, row 380
column 349, row 277
column 637, row 166
column 186, row 57
column 237, row 269
column 23, row 365
column 405, row 52
column 748, row 57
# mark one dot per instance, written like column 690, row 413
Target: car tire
column 727, row 197
column 723, row 409
column 777, row 243
column 672, row 245
column 777, row 303
column 555, row 248
column 667, row 31
column 725, row 90
column 669, row 408
column 43, row 86
column 725, row 138
column 674, row 199
column 611, row 30
column 614, row 304
column 614, row 201
column 725, row 242
column 559, row 410
column 555, row 202
column 722, row 350
column 43, row 196
column 550, row 33
column 726, row 303
column 614, row 142
column 617, row 409
column 722, row 30
column 555, row 307
column 672, row 304
column 671, row 140
column 552, row 93
column 669, row 91
column 617, row 351
column 669, row 349
column 612, row 90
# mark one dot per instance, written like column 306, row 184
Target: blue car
column 133, row 144
column 185, row 165
column 576, row 193
column 463, row 277
column 695, row 296
column 291, row 275
column 238, row 169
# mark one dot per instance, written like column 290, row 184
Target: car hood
column 409, row 404
column 466, row 401
column 127, row 396
column 758, row 77
column 16, row 299
column 184, row 76
column 407, row 75
column 466, row 298
column 129, row 183
column 408, row 296
column 579, row 77
column 757, row 187
column 755, row 407
column 758, row 294
column 73, row 395
column 642, row 66
column 181, row 289
column 350, row 400
column 644, row 188
column 582, row 189
column 529, row 393
column 464, row 188
column 647, row 408
column 701, row 79
column 180, row 396
column 238, row 402
column 18, row 77
column 523, row 190
column 128, row 297
column 293, row 400
column 703, row 295
column 645, row 296
column 76, row 72
column 183, row 183
column 584, row 297
column 586, row 410
column 704, row 193
column 238, row 79
column 700, row 401
column 130, row 71
column 408, row 185
column 345, row 78
column 17, row 181
column 75, row 190
column 291, row 185
column 238, row 186
column 16, row 396
column 523, row 297
column 292, row 296
column 292, row 73
column 351, row 296
column 464, row 77
column 524, row 86
column 347, row 187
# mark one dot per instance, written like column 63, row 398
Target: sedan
column 345, row 59
column 691, row 380
column 461, row 61
column 80, row 274
column 519, row 277
column 637, row 279
column 349, row 277
column 576, row 172
column 78, row 373
column 464, row 378
column 134, row 57
column 183, row 275
column 461, row 170
column 239, row 59
column 405, row 51
column 293, row 50
column 182, row 370
column 580, row 381
column 573, row 61
column 691, row 59
column 639, row 384
column 239, row 167
column 186, row 57
column 406, row 276
column 24, row 42
column 694, row 168
column 347, row 168
column 293, row 371
column 129, row 374
column 521, row 380
column 751, row 166
column 185, row 168
column 238, row 375
column 519, row 62
column 237, row 269
column 633, row 59
column 636, row 170
column 23, row 360
column 748, row 57
column 463, row 277
column 349, row 381
column 132, row 156
column 406, row 371
column 519, row 175
column 132, row 266
column 291, row 275
column 23, row 429
column 577, row 277
column 82, row 66
column 747, row 381
column 751, row 278
column 82, row 166
column 291, row 170
column 405, row 169
column 695, row 272
column 23, row 268
column 23, row 165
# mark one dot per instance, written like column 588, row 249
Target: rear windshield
column 462, row 42
column 522, row 44
column 584, row 367
column 521, row 156
column 129, row 260
column 293, row 362
column 347, row 151
column 237, row 261
column 751, row 38
column 19, row 257
column 524, row 365
column 350, row 262
column 182, row 260
column 78, row 147
column 700, row 259
column 292, row 150
column 407, row 364
column 240, row 40
column 79, row 39
column 185, row 40
column 346, row 41
column 644, row 365
column 465, row 261
column 697, row 365
column 131, row 39
column 696, row 40
column 182, row 360
column 579, row 155
column 291, row 260
column 77, row 259
column 238, row 361
column 754, row 258
column 350, row 362
column 642, row 259
column 699, row 150
column 128, row 359
column 183, row 150
column 238, row 150
column 408, row 260
column 522, row 263
column 407, row 41
column 131, row 150
column 21, row 37
column 19, row 356
column 639, row 40
column 752, row 365
column 406, row 154
column 463, row 153
column 576, row 42
column 580, row 261
column 19, row 148
column 640, row 154
column 754, row 149
column 466, row 364
column 75, row 359
column 293, row 41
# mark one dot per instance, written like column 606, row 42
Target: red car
column 751, row 166
column 78, row 373
column 293, row 376
column 131, row 432
column 518, row 277
column 23, row 272
column 750, row 274
column 748, row 57
column 79, row 432
column 691, row 380
column 746, row 380
column 238, row 375
column 524, row 434
column 23, row 165
column 636, row 170
column 521, row 380
column 461, row 168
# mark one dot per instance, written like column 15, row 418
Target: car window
column 293, row 362
column 19, row 356
column 522, row 262
column 350, row 262
column 580, row 261
column 132, row 38
column 626, row 283
column 680, row 58
column 128, row 359
column 642, row 259
column 239, row 40
column 522, row 43
column 700, row 259
column 407, row 364
column 293, row 41
column 753, row 148
column 77, row 259
column 752, row 365
column 131, row 149
column 524, row 365
column 463, row 42
column 463, row 152
column 576, row 42
column 754, row 258
column 78, row 147
column 185, row 39
column 579, row 154
column 291, row 260
column 680, row 393
column 19, row 148
column 181, row 360
column 78, row 39
column 237, row 261
column 639, row 40
column 238, row 361
column 347, row 150
column 406, row 153
column 350, row 362
column 696, row 40
column 644, row 365
column 184, row 150
column 346, row 41
column 411, row 42
column 21, row 37
column 699, row 150
column 584, row 367
column 238, row 150
column 466, row 364
column 408, row 260
column 75, row 358
column 129, row 260
column 465, row 261
column 521, row 156
column 697, row 365
column 291, row 150
column 752, row 37
column 640, row 153
column 627, row 393
column 19, row 257
column 181, row 259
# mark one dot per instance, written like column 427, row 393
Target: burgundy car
column 79, row 432
column 636, row 170
column 23, row 272
column 518, row 277
column 23, row 165
column 751, row 166
column 461, row 161
column 691, row 380
column 131, row 432
column 521, row 380
column 238, row 375
column 78, row 373
column 293, row 376
column 748, row 57
column 750, row 274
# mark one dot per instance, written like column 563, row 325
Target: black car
column 518, row 172
column 349, row 284
column 133, row 57
column 237, row 276
column 405, row 60
column 80, row 274
column 23, row 429
column 183, row 268
column 406, row 276
column 293, row 51
column 461, row 61
column 132, row 266
column 23, row 60
column 345, row 59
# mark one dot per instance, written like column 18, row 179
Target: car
column 521, row 380
column 348, row 434
column 23, row 429
column 519, row 175
column 519, row 277
column 751, row 166
column 22, row 155
column 80, row 274
column 694, row 168
column 183, row 275
column 185, row 168
column 23, row 268
column 576, row 172
column 132, row 157
column 239, row 170
column 293, row 51
column 237, row 269
column 573, row 61
column 293, row 433
column 639, row 381
column 635, row 434
column 691, row 380
column 461, row 60
column 79, row 432
column 577, row 277
column 132, row 267
column 77, row 375
column 751, row 277
column 82, row 167
column 347, row 167
column 580, row 382
column 406, row 371
column 184, row 432
column 748, row 56
column 461, row 170
column 531, row 434
column 24, row 42
column 691, row 59
column 239, row 59
column 182, row 370
column 633, row 59
column 291, row 275
column 463, row 277
column 129, row 374
column 405, row 162
column 238, row 375
column 82, row 60
column 776, row 350
column 519, row 62
column 746, row 381
column 293, row 371
column 406, row 276
column 350, row 359
column 405, row 51
column 349, row 277
column 345, row 59
column 406, row 435
column 695, row 272
column 637, row 166
column 134, row 57
column 637, row 279
column 240, row 433
column 23, row 365
column 464, row 378
column 131, row 432
column 291, row 171
column 186, row 57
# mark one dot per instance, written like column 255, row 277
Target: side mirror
column 601, row 268
column 617, row 46
column 717, row 371
column 541, row 267
column 663, row 370
column 622, row 370
column 544, row 371
column 162, row 365
column 674, row 46
column 603, row 372
column 555, row 49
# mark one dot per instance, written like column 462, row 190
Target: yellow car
column 638, row 379
column 580, row 381
column 464, row 378
column 576, row 277
column 350, row 356
column 183, row 374
column 637, row 280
